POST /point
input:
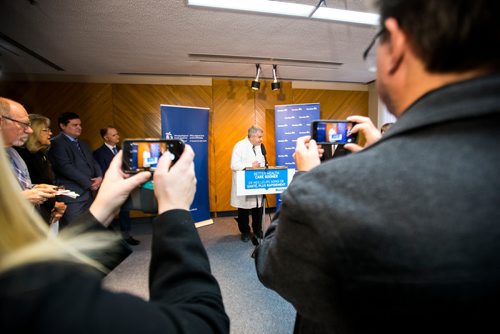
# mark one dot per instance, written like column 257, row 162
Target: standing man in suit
column 247, row 153
column 103, row 155
column 74, row 166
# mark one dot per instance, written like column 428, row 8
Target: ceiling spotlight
column 256, row 83
column 276, row 85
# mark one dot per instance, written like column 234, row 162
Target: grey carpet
column 251, row 307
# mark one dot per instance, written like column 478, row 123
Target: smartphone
column 143, row 154
column 333, row 132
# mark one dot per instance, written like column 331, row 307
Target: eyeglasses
column 370, row 54
column 24, row 124
column 46, row 130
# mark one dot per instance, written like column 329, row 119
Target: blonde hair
column 25, row 238
column 38, row 123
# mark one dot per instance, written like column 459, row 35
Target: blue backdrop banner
column 291, row 122
column 191, row 125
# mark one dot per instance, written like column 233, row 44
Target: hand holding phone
column 365, row 126
column 143, row 154
column 333, row 132
column 175, row 186
column 306, row 154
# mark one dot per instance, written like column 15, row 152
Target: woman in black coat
column 39, row 167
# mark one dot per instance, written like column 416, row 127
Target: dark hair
column 449, row 35
column 64, row 118
column 105, row 129
column 386, row 127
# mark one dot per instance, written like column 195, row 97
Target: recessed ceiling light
column 291, row 9
column 261, row 6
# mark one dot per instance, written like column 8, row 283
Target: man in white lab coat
column 247, row 153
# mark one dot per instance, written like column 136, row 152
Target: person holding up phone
column 403, row 236
column 53, row 284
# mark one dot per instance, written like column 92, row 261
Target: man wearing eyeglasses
column 404, row 236
column 15, row 128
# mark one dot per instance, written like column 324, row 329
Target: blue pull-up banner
column 191, row 125
column 291, row 122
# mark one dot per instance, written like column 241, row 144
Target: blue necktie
column 114, row 150
column 77, row 145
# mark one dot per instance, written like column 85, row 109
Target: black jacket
column 61, row 297
column 404, row 236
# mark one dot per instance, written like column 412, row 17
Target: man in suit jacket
column 103, row 155
column 74, row 166
column 404, row 235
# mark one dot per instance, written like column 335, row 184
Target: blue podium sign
column 265, row 179
column 260, row 181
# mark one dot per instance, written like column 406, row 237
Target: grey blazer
column 404, row 236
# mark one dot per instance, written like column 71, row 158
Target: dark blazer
column 73, row 168
column 103, row 156
column 60, row 297
column 40, row 171
column 404, row 236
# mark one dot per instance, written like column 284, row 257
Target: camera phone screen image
column 334, row 132
column 145, row 155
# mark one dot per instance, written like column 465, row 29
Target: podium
column 263, row 181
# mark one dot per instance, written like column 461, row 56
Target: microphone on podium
column 263, row 149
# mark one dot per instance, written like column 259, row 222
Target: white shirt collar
column 109, row 146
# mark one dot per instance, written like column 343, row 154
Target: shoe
column 132, row 241
column 244, row 237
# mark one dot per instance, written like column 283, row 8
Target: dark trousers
column 74, row 209
column 243, row 215
column 124, row 221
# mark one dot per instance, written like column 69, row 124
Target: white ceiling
column 166, row 37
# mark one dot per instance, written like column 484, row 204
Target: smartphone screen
column 144, row 154
column 333, row 132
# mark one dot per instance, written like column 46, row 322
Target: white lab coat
column 242, row 157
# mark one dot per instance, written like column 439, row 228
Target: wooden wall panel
column 265, row 101
column 134, row 110
column 92, row 102
column 234, row 113
column 335, row 104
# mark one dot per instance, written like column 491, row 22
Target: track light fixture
column 256, row 83
column 276, row 85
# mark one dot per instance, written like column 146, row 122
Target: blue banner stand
column 191, row 125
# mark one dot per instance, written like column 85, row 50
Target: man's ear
column 397, row 44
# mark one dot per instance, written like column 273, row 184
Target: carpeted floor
column 251, row 307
